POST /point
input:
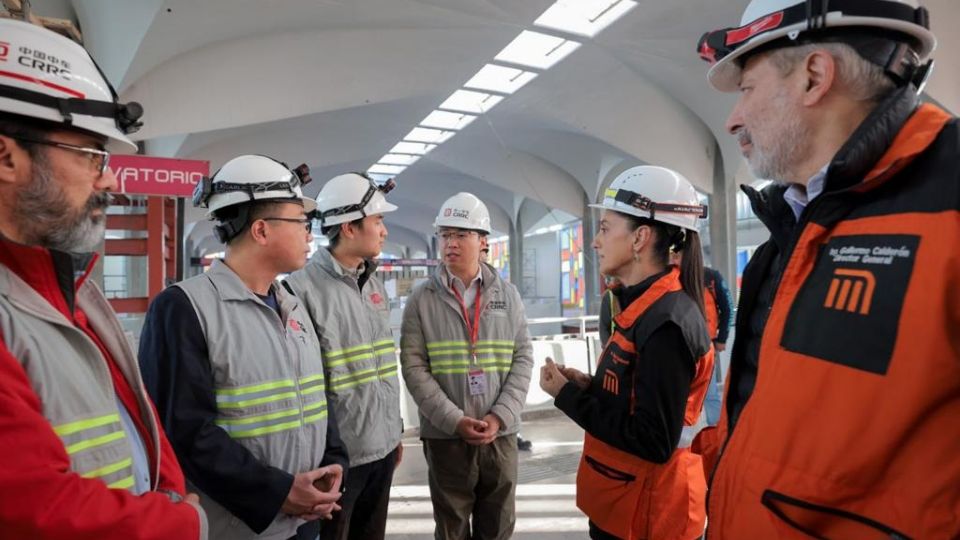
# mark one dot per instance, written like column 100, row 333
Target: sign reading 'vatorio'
column 148, row 175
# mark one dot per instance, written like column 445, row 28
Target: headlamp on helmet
column 372, row 190
column 207, row 187
column 892, row 34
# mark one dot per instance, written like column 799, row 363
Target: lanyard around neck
column 473, row 328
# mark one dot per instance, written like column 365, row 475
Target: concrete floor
column 545, row 494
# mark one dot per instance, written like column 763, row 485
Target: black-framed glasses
column 306, row 222
column 99, row 158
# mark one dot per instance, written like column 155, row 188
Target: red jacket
column 40, row 497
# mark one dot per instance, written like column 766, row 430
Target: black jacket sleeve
column 725, row 304
column 605, row 317
column 661, row 384
column 176, row 370
column 336, row 451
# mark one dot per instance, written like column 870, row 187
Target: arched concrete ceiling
column 399, row 236
column 336, row 83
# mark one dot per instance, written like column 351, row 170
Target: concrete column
column 723, row 223
column 591, row 270
column 516, row 253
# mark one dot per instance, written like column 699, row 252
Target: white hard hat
column 464, row 211
column 252, row 178
column 49, row 77
column 352, row 196
column 765, row 21
column 655, row 193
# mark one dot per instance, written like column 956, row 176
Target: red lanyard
column 473, row 329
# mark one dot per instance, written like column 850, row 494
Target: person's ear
column 820, row 71
column 12, row 159
column 641, row 237
column 259, row 231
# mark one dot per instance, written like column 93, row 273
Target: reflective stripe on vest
column 85, row 435
column 492, row 355
column 363, row 376
column 357, row 353
column 272, row 392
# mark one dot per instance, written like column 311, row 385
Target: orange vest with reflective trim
column 625, row 495
column 852, row 427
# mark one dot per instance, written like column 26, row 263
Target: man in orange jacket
column 834, row 425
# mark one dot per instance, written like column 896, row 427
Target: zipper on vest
column 284, row 335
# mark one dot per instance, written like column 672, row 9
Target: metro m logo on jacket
column 848, row 309
column 844, row 434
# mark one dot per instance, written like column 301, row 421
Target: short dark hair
column 332, row 232
column 16, row 126
column 253, row 211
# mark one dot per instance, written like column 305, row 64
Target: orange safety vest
column 710, row 310
column 851, row 429
column 625, row 495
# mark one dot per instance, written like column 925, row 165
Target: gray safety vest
column 72, row 379
column 268, row 381
column 359, row 354
column 435, row 354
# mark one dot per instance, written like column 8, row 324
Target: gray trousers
column 476, row 482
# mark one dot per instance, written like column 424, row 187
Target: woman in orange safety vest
column 637, row 477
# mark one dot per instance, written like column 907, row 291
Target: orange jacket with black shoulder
column 627, row 485
column 850, row 429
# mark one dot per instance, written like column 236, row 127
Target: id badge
column 477, row 380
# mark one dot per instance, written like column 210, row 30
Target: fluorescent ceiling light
column 386, row 169
column 412, row 148
column 399, row 159
column 447, row 120
column 425, row 135
column 536, row 50
column 584, row 17
column 471, row 102
column 500, row 79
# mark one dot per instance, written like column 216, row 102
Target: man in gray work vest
column 351, row 317
column 234, row 366
column 466, row 358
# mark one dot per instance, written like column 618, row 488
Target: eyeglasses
column 99, row 158
column 306, row 222
column 459, row 236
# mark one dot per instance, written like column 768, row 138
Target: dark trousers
column 477, row 482
column 307, row 531
column 363, row 514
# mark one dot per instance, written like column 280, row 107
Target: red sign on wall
column 148, row 175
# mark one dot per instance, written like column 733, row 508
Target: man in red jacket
column 83, row 456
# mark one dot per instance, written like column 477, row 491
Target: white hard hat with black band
column 894, row 34
column 51, row 79
column 643, row 203
column 366, row 205
column 246, row 179
column 656, row 193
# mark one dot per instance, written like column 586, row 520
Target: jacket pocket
column 608, row 471
column 823, row 522
column 617, row 501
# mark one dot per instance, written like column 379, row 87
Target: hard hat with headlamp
column 893, row 34
column 246, row 179
column 655, row 193
column 50, row 78
column 352, row 196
